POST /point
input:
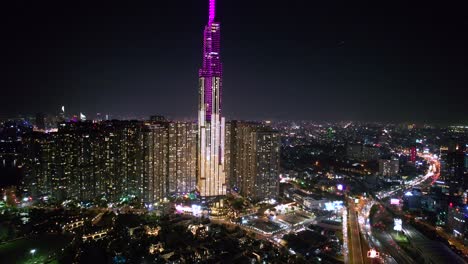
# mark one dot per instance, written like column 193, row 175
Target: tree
column 238, row 204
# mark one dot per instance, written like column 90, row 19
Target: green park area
column 399, row 237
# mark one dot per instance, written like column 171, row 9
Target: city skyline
column 105, row 159
column 296, row 61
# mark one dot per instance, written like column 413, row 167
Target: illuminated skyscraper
column 211, row 166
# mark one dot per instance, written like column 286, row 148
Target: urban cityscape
column 78, row 186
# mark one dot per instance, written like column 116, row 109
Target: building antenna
column 211, row 12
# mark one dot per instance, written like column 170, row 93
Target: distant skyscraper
column 211, row 126
column 413, row 154
column 362, row 152
column 453, row 167
column 61, row 116
column 158, row 118
column 389, row 167
column 40, row 121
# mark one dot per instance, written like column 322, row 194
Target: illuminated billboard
column 397, row 226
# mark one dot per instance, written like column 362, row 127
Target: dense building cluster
column 148, row 160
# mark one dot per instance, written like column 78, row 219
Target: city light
column 345, row 232
column 373, row 254
column 202, row 186
column 333, row 206
column 398, row 223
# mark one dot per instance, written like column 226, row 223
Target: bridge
column 96, row 236
column 73, row 225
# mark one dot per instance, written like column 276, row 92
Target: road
column 355, row 236
column 433, row 173
column 382, row 242
column 431, row 251
column 442, row 233
column 389, row 246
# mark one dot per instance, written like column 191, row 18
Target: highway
column 433, row 174
column 389, row 246
column 431, row 251
column 381, row 241
column 355, row 245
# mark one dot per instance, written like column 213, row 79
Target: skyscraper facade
column 254, row 160
column 452, row 161
column 182, row 157
column 40, row 165
column 211, row 173
column 389, row 167
column 156, row 149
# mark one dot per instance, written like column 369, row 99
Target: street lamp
column 32, row 251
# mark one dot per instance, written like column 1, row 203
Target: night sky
column 315, row 60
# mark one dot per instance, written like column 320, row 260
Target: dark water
column 19, row 251
column 9, row 176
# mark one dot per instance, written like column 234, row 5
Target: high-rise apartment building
column 156, row 153
column 254, row 160
column 182, row 157
column 170, row 159
column 453, row 171
column 40, row 165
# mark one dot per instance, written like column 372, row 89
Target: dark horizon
column 294, row 61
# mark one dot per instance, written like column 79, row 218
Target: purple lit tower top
column 212, row 11
column 212, row 66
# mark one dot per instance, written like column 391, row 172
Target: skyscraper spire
column 211, row 12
